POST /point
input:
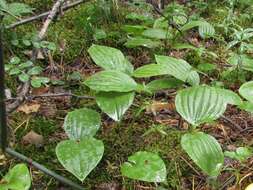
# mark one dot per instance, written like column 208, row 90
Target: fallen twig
column 42, row 15
column 26, row 86
column 60, row 94
column 231, row 122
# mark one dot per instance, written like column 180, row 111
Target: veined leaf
column 231, row 97
column 115, row 104
column 110, row 58
column 200, row 104
column 150, row 71
column 134, row 29
column 111, row 81
column 192, row 24
column 80, row 157
column 18, row 178
column 156, row 33
column 247, row 106
column 205, row 151
column 139, row 41
column 206, row 30
column 82, row 123
column 244, row 61
column 178, row 68
column 246, row 91
column 161, row 84
column 145, row 166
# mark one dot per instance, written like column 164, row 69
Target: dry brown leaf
column 33, row 138
column 108, row 186
column 157, row 106
column 40, row 91
column 29, row 108
column 39, row 54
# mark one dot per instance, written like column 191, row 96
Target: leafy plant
column 18, row 178
column 145, row 166
column 240, row 154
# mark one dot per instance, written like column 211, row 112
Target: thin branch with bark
column 42, row 15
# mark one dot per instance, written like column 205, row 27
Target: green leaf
column 241, row 153
column 134, row 29
column 18, row 178
column 247, row 106
column 111, row 81
column 150, row 71
column 192, row 24
column 80, row 157
column 145, row 166
column 25, row 65
column 200, row 104
column 140, row 17
column 206, row 30
column 139, row 41
column 14, row 71
column 115, row 104
column 205, row 151
column 82, row 123
column 37, row 82
column 178, row 68
column 156, row 33
column 15, row 60
column 231, row 97
column 18, row 9
column 24, row 77
column 161, row 84
column 110, row 59
column 244, row 61
column 35, row 70
column 99, row 34
column 246, row 91
column 205, row 67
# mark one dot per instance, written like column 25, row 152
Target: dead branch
column 42, row 15
column 26, row 86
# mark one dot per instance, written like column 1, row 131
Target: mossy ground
column 122, row 139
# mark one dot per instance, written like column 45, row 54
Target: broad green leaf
column 161, row 23
column 241, row 153
column 14, row 71
column 115, row 104
column 15, row 60
column 243, row 61
column 180, row 46
column 80, row 157
column 81, row 123
column 24, row 77
column 246, row 91
column 192, row 24
column 231, row 97
column 200, row 104
column 145, row 166
column 25, row 65
column 110, row 58
column 206, row 30
column 99, row 34
column 247, row 106
column 18, row 178
column 205, row 151
column 205, row 67
column 150, row 71
column 139, row 41
column 111, row 81
column 156, row 33
column 179, row 69
column 37, row 82
column 35, row 70
column 134, row 29
column 18, row 9
column 140, row 17
column 161, row 84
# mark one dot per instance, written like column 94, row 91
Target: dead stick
column 42, row 15
column 26, row 86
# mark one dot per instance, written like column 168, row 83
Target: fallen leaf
column 108, row 186
column 40, row 91
column 157, row 106
column 8, row 93
column 29, row 108
column 33, row 138
column 39, row 54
